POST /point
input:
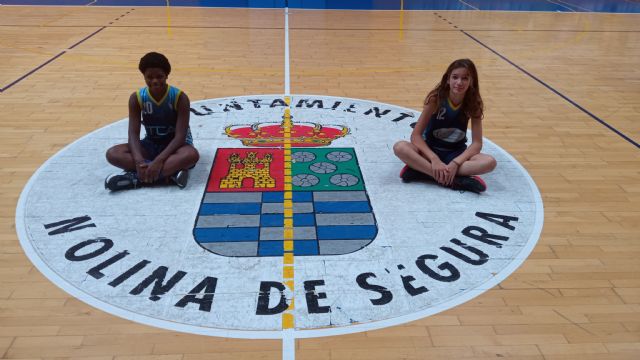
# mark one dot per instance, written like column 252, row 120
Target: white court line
column 469, row 5
column 288, row 337
column 288, row 344
column 577, row 6
column 564, row 6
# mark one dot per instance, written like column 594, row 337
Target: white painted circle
column 155, row 224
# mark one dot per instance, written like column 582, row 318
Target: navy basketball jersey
column 160, row 117
column 447, row 128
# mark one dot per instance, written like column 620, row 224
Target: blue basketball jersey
column 447, row 128
column 160, row 117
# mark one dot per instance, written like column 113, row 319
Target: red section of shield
column 247, row 169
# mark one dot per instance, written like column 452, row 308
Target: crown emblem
column 273, row 134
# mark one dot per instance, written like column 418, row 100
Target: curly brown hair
column 472, row 103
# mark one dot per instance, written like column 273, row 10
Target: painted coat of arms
column 286, row 188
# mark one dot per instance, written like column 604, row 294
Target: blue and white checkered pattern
column 252, row 223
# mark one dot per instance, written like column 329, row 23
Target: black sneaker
column 469, row 183
column 181, row 178
column 408, row 174
column 128, row 180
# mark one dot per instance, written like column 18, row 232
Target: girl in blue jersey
column 167, row 149
column 438, row 149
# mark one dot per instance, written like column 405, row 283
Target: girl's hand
column 440, row 172
column 452, row 170
column 153, row 171
column 141, row 169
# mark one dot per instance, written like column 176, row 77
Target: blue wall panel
column 613, row 6
column 346, row 4
column 436, row 5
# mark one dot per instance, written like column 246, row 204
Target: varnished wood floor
column 576, row 297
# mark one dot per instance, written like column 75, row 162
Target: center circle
column 368, row 250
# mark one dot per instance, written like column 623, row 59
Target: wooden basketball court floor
column 562, row 95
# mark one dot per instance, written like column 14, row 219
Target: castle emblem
column 258, row 170
column 285, row 184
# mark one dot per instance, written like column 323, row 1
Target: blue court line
column 87, row 38
column 554, row 90
column 53, row 58
column 48, row 61
column 31, row 72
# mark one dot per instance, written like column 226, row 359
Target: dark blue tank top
column 447, row 128
column 160, row 117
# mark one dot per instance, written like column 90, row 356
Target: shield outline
column 206, row 191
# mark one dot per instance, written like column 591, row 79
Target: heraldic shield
column 263, row 194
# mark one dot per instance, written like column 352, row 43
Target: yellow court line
column 288, row 322
column 168, row 19
column 401, row 34
column 288, row 272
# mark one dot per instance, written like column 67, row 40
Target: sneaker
column 181, row 178
column 408, row 174
column 128, row 180
column 469, row 183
